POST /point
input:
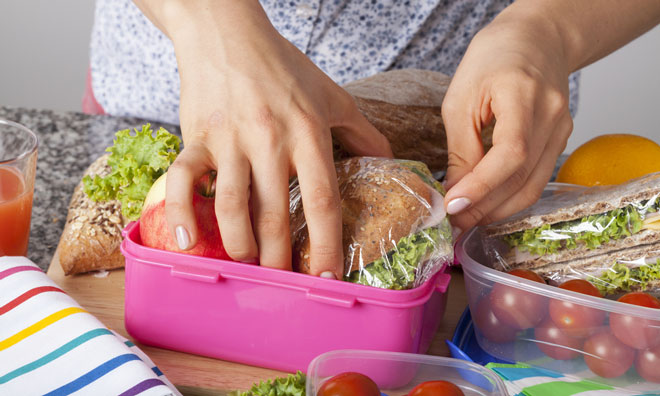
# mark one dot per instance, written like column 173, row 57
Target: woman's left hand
column 514, row 71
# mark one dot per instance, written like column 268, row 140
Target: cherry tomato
column 489, row 326
column 349, row 384
column 607, row 356
column 555, row 343
column 573, row 319
column 518, row 308
column 640, row 333
column 435, row 388
column 647, row 364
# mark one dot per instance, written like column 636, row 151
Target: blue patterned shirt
column 134, row 71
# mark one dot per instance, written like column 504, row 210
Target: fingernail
column 458, row 205
column 182, row 237
column 455, row 233
column 328, row 275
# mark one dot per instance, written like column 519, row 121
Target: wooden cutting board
column 195, row 375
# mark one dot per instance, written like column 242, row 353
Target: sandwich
column 583, row 230
column 627, row 270
column 395, row 232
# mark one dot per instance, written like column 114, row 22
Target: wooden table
column 200, row 376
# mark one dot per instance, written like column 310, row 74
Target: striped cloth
column 524, row 380
column 49, row 345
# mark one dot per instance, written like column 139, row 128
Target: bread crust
column 92, row 233
column 381, row 202
column 406, row 107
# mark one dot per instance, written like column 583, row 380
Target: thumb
column 359, row 137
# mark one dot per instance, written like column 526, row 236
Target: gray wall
column 44, row 58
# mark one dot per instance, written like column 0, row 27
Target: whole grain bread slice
column 577, row 204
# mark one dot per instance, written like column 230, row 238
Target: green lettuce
column 397, row 270
column 136, row 161
column 292, row 385
column 621, row 278
column 591, row 231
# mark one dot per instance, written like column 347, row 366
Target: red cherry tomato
column 489, row 326
column 606, row 356
column 518, row 308
column 435, row 388
column 349, row 384
column 647, row 364
column 573, row 319
column 552, row 341
column 640, row 333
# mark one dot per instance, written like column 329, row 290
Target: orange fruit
column 610, row 159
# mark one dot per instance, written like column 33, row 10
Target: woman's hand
column 256, row 109
column 516, row 73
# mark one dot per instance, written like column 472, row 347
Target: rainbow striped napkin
column 49, row 345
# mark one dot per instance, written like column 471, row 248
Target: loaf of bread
column 92, row 233
column 405, row 106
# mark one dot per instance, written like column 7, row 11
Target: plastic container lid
column 398, row 373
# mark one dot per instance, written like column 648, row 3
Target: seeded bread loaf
column 92, row 233
column 405, row 106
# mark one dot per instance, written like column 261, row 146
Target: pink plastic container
column 266, row 317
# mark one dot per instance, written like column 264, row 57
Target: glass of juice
column 18, row 164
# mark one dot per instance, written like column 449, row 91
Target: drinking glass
column 18, row 164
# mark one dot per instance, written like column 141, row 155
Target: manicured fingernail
column 328, row 275
column 458, row 205
column 455, row 233
column 182, row 237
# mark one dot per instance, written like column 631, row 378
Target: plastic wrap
column 395, row 231
column 603, row 234
column 627, row 270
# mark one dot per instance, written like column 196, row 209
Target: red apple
column 155, row 233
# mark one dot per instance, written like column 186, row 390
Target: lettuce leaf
column 621, row 278
column 292, row 385
column 397, row 270
column 136, row 161
column 591, row 231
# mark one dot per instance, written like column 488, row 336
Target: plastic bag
column 609, row 235
column 395, row 231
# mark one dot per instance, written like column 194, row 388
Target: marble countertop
column 68, row 143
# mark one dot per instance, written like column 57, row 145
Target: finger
column 540, row 176
column 510, row 151
column 270, row 208
column 193, row 162
column 359, row 137
column 231, row 207
column 507, row 200
column 463, row 131
column 320, row 195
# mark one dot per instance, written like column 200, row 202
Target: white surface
column 621, row 93
column 44, row 57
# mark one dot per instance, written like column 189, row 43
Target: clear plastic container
column 396, row 374
column 267, row 317
column 540, row 344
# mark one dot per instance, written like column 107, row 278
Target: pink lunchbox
column 267, row 317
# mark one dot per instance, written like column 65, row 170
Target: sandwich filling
column 591, row 231
column 626, row 277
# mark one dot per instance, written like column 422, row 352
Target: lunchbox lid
column 468, row 247
column 334, row 292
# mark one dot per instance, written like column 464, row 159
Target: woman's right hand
column 257, row 110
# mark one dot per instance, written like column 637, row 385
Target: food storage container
column 396, row 374
column 610, row 361
column 267, row 317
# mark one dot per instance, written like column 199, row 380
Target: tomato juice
column 15, row 212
